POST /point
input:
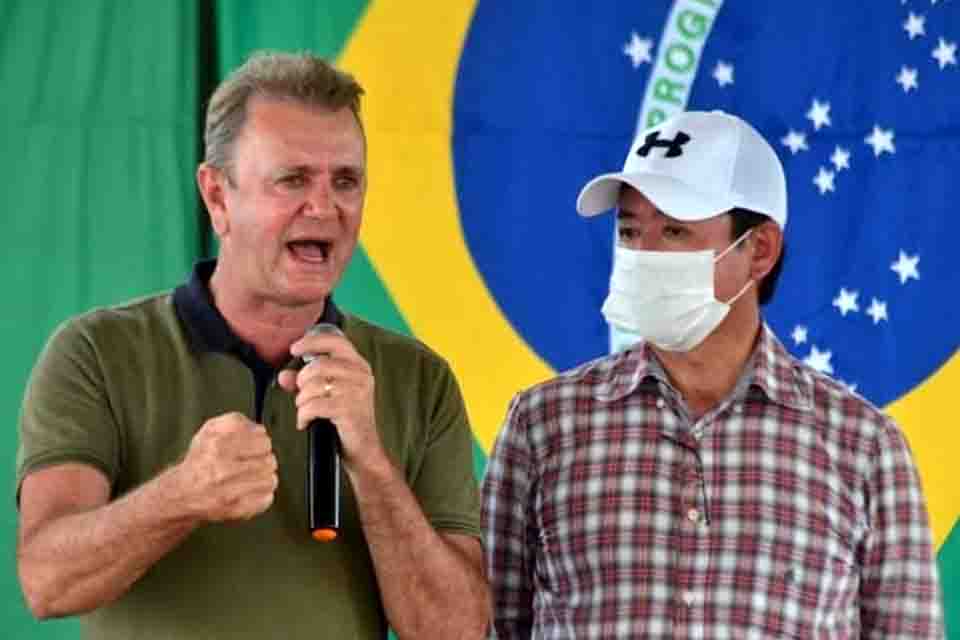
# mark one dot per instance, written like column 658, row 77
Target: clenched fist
column 229, row 472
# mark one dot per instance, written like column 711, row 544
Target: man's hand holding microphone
column 335, row 404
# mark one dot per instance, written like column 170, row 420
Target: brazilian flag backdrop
column 484, row 117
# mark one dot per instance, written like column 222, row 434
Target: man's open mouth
column 310, row 250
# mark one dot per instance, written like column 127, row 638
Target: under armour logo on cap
column 728, row 164
column 674, row 147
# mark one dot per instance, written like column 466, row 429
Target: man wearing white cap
column 703, row 483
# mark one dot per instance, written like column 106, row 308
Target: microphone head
column 324, row 327
column 321, row 328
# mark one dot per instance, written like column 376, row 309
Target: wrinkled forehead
column 304, row 132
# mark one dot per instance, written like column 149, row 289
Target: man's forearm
column 81, row 561
column 430, row 586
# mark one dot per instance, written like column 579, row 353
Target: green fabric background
column 98, row 131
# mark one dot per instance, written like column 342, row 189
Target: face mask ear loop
column 742, row 291
column 725, row 252
column 732, row 246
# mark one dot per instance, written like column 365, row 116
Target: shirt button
column 693, row 515
column 660, row 403
column 687, row 598
column 737, row 408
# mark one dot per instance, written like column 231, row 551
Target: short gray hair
column 301, row 77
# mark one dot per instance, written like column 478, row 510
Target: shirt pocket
column 801, row 591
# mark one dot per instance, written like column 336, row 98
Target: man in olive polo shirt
column 161, row 473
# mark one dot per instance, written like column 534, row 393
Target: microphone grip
column 323, row 479
column 323, row 465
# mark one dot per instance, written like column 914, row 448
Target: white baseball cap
column 694, row 166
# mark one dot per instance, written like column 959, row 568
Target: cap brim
column 673, row 197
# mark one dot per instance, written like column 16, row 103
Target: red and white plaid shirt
column 791, row 510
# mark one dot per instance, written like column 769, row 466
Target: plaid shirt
column 791, row 510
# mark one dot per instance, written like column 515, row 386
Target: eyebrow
column 349, row 169
column 304, row 169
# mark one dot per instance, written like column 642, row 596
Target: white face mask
column 667, row 297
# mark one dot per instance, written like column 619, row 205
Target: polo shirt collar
column 206, row 326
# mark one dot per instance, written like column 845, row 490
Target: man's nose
column 319, row 200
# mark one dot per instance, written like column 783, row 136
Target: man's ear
column 212, row 183
column 767, row 241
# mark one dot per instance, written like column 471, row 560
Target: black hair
column 742, row 220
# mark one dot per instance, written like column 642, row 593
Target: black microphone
column 323, row 465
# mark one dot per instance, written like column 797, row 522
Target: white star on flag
column 819, row 114
column 846, row 301
column 906, row 267
column 638, row 49
column 915, row 25
column 945, row 53
column 795, row 141
column 799, row 334
column 881, row 140
column 877, row 311
column 820, row 360
column 824, row 180
column 907, row 78
column 723, row 73
column 840, row 158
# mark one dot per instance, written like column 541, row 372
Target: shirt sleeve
column 446, row 485
column 66, row 416
column 899, row 591
column 505, row 514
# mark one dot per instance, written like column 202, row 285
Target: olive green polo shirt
column 125, row 388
